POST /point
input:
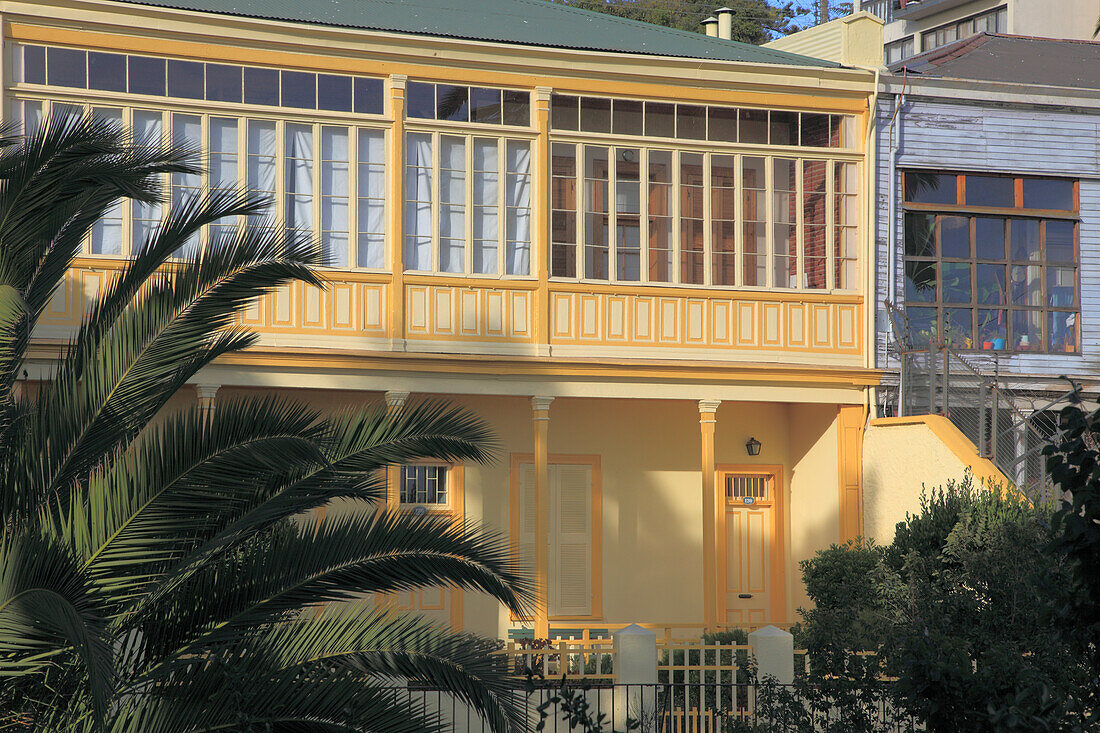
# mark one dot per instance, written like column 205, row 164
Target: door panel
column 749, row 541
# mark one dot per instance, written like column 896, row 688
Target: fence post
column 774, row 651
column 635, row 692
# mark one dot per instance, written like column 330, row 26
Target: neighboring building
column 919, row 26
column 988, row 231
column 631, row 249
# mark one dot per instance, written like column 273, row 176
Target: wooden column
column 540, row 407
column 540, row 249
column 707, row 421
column 394, row 402
column 396, row 239
column 850, row 420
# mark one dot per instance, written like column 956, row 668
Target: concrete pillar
column 635, row 675
column 773, row 649
column 707, row 421
column 540, row 415
column 207, row 394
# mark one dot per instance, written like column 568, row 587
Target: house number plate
column 748, row 500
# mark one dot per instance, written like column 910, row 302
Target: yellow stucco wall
column 902, row 456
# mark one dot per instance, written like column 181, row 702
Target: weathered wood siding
column 995, row 138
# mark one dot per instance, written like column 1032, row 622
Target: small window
column 368, row 96
column 223, row 83
column 517, row 107
column 185, row 79
column 107, row 71
column 299, row 89
column 626, row 117
column 261, row 86
column 660, row 120
column 563, row 112
column 452, row 103
column 424, row 485
column 420, row 100
column 67, row 68
column 334, row 92
column 750, row 487
column 146, row 75
column 595, row 114
column 34, row 64
column 485, row 105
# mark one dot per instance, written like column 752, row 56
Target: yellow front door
column 749, row 540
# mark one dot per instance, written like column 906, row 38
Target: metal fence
column 672, row 708
column 1007, row 424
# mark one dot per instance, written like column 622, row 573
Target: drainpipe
column 710, row 25
column 895, row 140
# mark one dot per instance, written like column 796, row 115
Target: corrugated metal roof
column 1011, row 59
column 527, row 22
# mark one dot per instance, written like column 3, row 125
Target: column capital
column 542, row 94
column 396, row 399
column 708, row 406
column 398, row 81
column 541, row 404
column 207, row 392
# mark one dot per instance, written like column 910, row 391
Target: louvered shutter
column 571, row 540
column 527, row 515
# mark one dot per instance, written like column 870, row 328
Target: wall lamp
column 753, row 447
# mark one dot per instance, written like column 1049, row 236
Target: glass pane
column 1027, row 286
column 368, row 96
column 299, row 176
column 626, row 117
column 261, row 86
column 1027, row 330
column 784, row 128
column 517, row 108
column 722, row 124
column 185, row 79
column 753, row 126
column 989, row 238
column 595, row 114
column 420, row 100
column 1062, row 287
column 485, row 105
column 1048, row 193
column 992, row 330
column 563, row 112
column 815, row 130
column 990, row 191
column 107, row 71
column 299, row 89
column 956, row 282
column 922, row 325
column 920, row 235
column 923, row 187
column 660, row 219
column 1062, row 331
column 452, row 103
column 597, row 221
column 992, row 285
column 146, row 75
column 691, row 122
column 660, row 119
column 954, row 236
column 223, row 83
column 67, row 67
column 34, row 64
column 691, row 218
column 334, row 92
column 959, row 327
column 1060, row 241
column 563, row 219
column 920, row 282
column 1025, row 239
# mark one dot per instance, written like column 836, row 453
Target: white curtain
column 299, row 176
column 485, row 198
column 223, row 166
column 452, row 205
column 518, row 201
column 372, row 198
column 418, row 201
column 107, row 231
column 262, row 151
column 334, row 195
column 186, row 133
column 145, row 217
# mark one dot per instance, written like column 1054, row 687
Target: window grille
column 742, row 486
column 424, row 485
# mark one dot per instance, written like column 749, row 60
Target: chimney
column 710, row 25
column 725, row 23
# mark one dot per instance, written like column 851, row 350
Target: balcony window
column 991, row 261
column 990, row 21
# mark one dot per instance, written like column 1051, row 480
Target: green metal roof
column 527, row 22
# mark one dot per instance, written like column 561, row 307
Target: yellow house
column 641, row 254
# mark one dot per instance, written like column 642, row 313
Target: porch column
column 707, row 422
column 394, row 402
column 396, row 165
column 540, row 407
column 207, row 394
